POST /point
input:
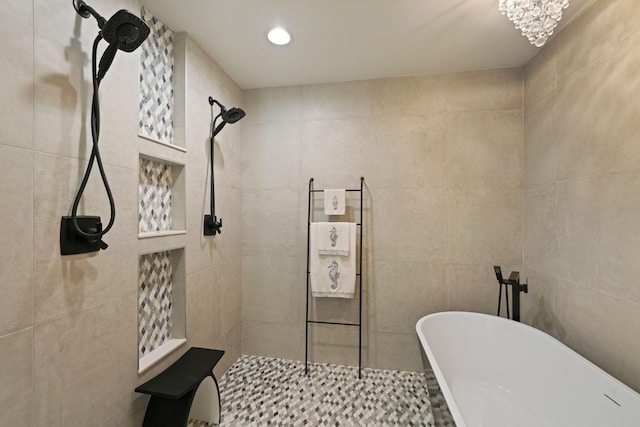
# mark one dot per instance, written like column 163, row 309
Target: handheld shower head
column 125, row 30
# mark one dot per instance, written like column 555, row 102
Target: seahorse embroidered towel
column 334, row 200
column 333, row 237
column 332, row 275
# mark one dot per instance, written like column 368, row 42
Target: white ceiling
column 344, row 40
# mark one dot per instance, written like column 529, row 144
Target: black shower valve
column 212, row 226
column 72, row 243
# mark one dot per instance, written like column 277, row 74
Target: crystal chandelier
column 535, row 18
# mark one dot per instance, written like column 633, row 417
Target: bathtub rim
column 444, row 386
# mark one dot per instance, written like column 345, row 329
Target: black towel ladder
column 358, row 275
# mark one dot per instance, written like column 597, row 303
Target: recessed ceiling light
column 279, row 36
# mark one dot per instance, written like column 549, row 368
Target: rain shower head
column 231, row 115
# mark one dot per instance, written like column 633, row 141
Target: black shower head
column 231, row 115
column 123, row 30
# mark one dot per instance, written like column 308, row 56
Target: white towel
column 332, row 237
column 334, row 202
column 333, row 275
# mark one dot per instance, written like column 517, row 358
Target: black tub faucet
column 516, row 288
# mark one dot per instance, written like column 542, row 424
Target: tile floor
column 262, row 391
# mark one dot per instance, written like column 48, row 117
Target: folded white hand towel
column 334, row 201
column 331, row 275
column 332, row 237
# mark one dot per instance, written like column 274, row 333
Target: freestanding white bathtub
column 494, row 372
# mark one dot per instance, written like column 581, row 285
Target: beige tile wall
column 68, row 325
column 582, row 172
column 443, row 161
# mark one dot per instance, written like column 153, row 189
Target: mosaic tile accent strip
column 155, row 286
column 156, row 81
column 259, row 391
column 154, row 196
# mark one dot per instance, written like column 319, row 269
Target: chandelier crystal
column 535, row 18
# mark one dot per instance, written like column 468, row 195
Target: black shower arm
column 213, row 101
column 85, row 10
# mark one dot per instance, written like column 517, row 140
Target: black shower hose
column 95, row 156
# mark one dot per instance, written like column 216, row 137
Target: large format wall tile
column 16, row 378
column 409, row 225
column 484, row 149
column 485, row 226
column 538, row 306
column 334, row 152
column 540, row 245
column 406, row 152
column 422, row 293
column 410, row 96
column 271, row 288
column 598, row 326
column 16, row 228
column 268, row 227
column 16, row 85
column 483, row 90
column 231, row 297
column 273, row 105
column 284, row 340
column 589, row 300
column 279, row 143
column 591, row 36
column 85, row 366
column 540, row 76
column 540, row 137
column 597, row 109
column 395, row 351
column 204, row 307
column 597, row 244
column 338, row 101
column 71, row 283
column 336, row 344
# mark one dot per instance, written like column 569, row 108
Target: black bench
column 172, row 391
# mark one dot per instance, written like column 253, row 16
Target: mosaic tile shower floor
column 261, row 391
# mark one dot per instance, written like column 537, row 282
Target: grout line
column 33, row 202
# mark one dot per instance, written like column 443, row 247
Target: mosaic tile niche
column 161, row 303
column 161, row 201
column 156, row 82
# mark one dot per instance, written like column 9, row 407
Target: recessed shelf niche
column 161, row 198
column 161, row 305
